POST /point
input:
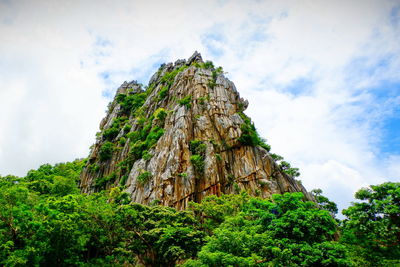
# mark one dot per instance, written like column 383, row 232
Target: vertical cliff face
column 183, row 137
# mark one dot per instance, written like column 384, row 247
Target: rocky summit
column 181, row 138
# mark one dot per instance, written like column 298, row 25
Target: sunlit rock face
column 181, row 139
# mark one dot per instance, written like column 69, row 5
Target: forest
column 45, row 220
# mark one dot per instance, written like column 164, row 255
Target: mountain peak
column 182, row 137
column 196, row 57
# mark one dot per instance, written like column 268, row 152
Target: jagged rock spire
column 183, row 137
column 195, row 57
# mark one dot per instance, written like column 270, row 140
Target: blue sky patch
column 385, row 90
column 300, row 86
column 109, row 84
column 387, row 94
column 105, row 75
column 212, row 40
column 145, row 77
column 144, row 72
column 361, row 67
column 390, row 142
column 395, row 16
column 141, row 73
column 103, row 42
column 386, row 105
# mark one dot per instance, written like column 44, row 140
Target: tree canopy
column 283, row 231
column 372, row 226
column 45, row 220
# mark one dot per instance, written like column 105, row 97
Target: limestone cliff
column 181, row 138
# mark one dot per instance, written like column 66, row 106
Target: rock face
column 183, row 137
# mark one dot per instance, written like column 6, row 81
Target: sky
column 322, row 77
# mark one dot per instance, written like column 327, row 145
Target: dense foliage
column 249, row 136
column 44, row 220
column 106, row 151
column 373, row 225
column 249, row 231
column 131, row 102
column 54, row 225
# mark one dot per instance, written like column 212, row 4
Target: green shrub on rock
column 186, row 101
column 249, row 136
column 106, row 151
column 143, row 178
column 163, row 93
column 198, row 163
column 160, row 114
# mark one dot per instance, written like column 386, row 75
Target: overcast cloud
column 322, row 77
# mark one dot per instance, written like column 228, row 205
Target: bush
column 169, row 77
column 130, row 103
column 145, row 130
column 103, row 181
column 127, row 128
column 146, row 155
column 264, row 145
column 209, row 65
column 123, row 179
column 160, row 114
column 197, row 147
column 106, row 151
column 276, row 157
column 136, row 150
column 93, row 167
column 133, row 136
column 143, row 178
column 249, row 136
column 211, row 84
column 163, row 93
column 186, row 101
column 202, row 100
column 150, row 88
column 153, row 136
column 141, row 120
column 145, row 138
column 111, row 133
column 122, row 141
column 288, row 169
column 215, row 73
column 198, row 163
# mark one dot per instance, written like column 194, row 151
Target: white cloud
column 53, row 56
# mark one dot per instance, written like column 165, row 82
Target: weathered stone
column 195, row 57
column 213, row 119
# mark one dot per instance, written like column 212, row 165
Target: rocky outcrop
column 181, row 138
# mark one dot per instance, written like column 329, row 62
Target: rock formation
column 182, row 137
